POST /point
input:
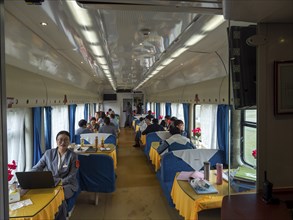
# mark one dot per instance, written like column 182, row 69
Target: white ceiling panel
column 117, row 44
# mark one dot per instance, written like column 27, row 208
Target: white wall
column 275, row 133
column 114, row 105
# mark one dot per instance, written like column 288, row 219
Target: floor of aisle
column 138, row 193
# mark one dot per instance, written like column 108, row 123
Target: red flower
column 196, row 132
column 12, row 166
column 254, row 153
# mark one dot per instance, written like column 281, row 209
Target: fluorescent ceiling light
column 194, row 39
column 178, row 52
column 160, row 68
column 167, row 61
column 154, row 72
column 107, row 71
column 80, row 15
column 97, row 50
column 90, row 36
column 102, row 60
column 213, row 23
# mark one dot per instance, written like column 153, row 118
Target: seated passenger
column 107, row 127
column 114, row 121
column 179, row 124
column 62, row 163
column 97, row 116
column 150, row 114
column 175, row 142
column 153, row 127
column 171, row 124
column 110, row 111
column 94, row 126
column 165, row 123
column 138, row 133
column 82, row 128
column 101, row 119
column 143, row 125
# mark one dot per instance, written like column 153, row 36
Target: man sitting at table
column 108, row 128
column 176, row 141
column 63, row 164
column 142, row 126
column 153, row 127
column 82, row 128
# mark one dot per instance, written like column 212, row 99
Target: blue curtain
column 37, row 152
column 158, row 110
column 168, row 109
column 186, row 117
column 222, row 129
column 86, row 112
column 48, row 128
column 72, row 109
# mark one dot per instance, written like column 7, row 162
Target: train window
column 17, row 130
column 197, row 116
column 153, row 107
column 79, row 114
column 163, row 109
column 205, row 118
column 196, row 124
column 92, row 110
column 148, row 106
column 177, row 111
column 248, row 132
column 60, row 121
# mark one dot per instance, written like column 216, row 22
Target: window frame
column 244, row 124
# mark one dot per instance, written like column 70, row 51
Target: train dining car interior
column 160, row 109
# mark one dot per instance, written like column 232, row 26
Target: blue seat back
column 176, row 146
column 96, row 173
column 111, row 139
column 170, row 165
column 77, row 139
column 151, row 137
column 218, row 157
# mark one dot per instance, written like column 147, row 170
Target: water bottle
column 206, row 170
column 267, row 189
column 219, row 167
column 102, row 142
column 96, row 142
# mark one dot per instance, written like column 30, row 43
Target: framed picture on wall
column 283, row 94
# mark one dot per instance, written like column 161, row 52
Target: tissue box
column 14, row 196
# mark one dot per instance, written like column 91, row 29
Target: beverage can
column 206, row 170
column 219, row 167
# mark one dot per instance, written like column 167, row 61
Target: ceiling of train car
column 108, row 46
column 117, row 44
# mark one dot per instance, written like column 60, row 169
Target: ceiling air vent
column 34, row 2
column 124, row 91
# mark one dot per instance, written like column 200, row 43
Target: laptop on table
column 36, row 179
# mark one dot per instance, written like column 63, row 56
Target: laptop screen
column 36, row 179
